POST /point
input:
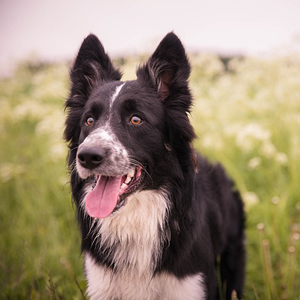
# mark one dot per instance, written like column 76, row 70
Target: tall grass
column 246, row 115
column 39, row 242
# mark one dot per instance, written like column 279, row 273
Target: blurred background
column 53, row 30
column 246, row 84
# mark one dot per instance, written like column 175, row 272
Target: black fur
column 206, row 219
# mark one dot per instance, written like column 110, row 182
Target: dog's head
column 125, row 137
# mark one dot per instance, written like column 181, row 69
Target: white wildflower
column 203, row 109
column 268, row 149
column 231, row 130
column 29, row 109
column 9, row 171
column 208, row 64
column 212, row 141
column 248, row 135
column 51, row 89
column 207, row 141
column 58, row 151
column 250, row 199
column 51, row 125
column 281, row 158
column 275, row 200
column 254, row 163
column 260, row 226
column 63, row 180
column 6, row 172
column 296, row 237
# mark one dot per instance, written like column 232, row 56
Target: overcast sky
column 55, row 29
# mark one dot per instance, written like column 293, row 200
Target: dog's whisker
column 73, row 148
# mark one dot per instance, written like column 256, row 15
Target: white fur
column 117, row 161
column 116, row 93
column 103, row 284
column 138, row 229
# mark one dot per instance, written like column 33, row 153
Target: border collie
column 157, row 220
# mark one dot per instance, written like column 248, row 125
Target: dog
column 158, row 221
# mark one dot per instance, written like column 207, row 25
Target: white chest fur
column 103, row 284
column 138, row 230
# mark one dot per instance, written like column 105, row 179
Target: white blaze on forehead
column 116, row 93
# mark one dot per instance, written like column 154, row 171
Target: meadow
column 246, row 115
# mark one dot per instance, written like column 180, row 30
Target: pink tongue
column 102, row 200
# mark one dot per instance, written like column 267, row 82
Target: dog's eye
column 135, row 120
column 89, row 121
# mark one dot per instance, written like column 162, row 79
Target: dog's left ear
column 168, row 68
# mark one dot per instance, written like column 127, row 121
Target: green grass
column 247, row 117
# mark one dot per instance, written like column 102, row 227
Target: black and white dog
column 157, row 220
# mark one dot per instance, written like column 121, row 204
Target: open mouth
column 110, row 193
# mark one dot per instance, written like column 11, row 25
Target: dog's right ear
column 92, row 66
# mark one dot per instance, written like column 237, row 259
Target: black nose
column 91, row 157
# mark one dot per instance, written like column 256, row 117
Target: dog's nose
column 91, row 157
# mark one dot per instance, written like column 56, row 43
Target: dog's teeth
column 131, row 173
column 129, row 176
column 124, row 186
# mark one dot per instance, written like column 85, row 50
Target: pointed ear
column 92, row 66
column 168, row 68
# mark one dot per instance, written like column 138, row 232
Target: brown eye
column 89, row 121
column 135, row 120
